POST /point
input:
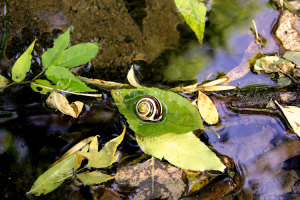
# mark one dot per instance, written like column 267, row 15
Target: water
column 32, row 135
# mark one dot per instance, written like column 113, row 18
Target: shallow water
column 32, row 136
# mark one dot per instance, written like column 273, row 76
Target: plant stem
column 75, row 93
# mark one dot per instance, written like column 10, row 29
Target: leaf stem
column 75, row 93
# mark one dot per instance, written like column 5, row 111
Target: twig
column 75, row 93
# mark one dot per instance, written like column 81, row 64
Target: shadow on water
column 32, row 135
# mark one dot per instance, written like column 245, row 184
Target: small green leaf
column 185, row 151
column 78, row 55
column 179, row 115
column 37, row 86
column 106, row 156
column 54, row 55
column 194, row 12
column 53, row 177
column 65, row 80
column 22, row 65
column 3, row 81
column 90, row 178
column 293, row 56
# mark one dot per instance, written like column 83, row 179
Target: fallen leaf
column 90, row 178
column 293, row 56
column 292, row 115
column 214, row 82
column 218, row 88
column 74, row 149
column 106, row 156
column 3, row 81
column 207, row 109
column 182, row 150
column 132, row 79
column 54, row 176
column 59, row 101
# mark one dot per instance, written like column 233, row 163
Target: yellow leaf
column 3, row 81
column 218, row 88
column 292, row 114
column 106, row 156
column 90, row 178
column 74, row 149
column 79, row 158
column 214, row 82
column 207, row 109
column 131, row 78
column 60, row 102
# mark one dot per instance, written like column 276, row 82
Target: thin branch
column 65, row 91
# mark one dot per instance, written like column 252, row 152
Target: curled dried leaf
column 207, row 109
column 132, row 79
column 292, row 115
column 60, row 102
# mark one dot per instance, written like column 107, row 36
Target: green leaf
column 90, row 178
column 54, row 55
column 37, row 86
column 106, row 156
column 65, row 80
column 194, row 12
column 78, row 55
column 179, row 115
column 53, row 177
column 22, row 65
column 185, row 151
column 3, row 81
column 293, row 56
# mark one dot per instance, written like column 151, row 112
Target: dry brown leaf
column 219, row 88
column 60, row 102
column 207, row 109
column 131, row 78
column 292, row 115
column 104, row 85
column 214, row 82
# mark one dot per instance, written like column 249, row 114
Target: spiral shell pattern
column 149, row 108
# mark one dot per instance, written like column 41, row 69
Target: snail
column 149, row 108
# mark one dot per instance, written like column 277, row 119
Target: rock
column 288, row 31
column 168, row 180
column 110, row 23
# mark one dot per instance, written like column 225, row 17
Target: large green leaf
column 22, row 65
column 194, row 12
column 185, row 151
column 53, row 177
column 65, row 80
column 179, row 115
column 78, row 55
column 54, row 55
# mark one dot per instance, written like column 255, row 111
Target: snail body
column 149, row 108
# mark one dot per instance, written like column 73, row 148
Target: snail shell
column 149, row 108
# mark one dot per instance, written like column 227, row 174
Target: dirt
column 126, row 30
